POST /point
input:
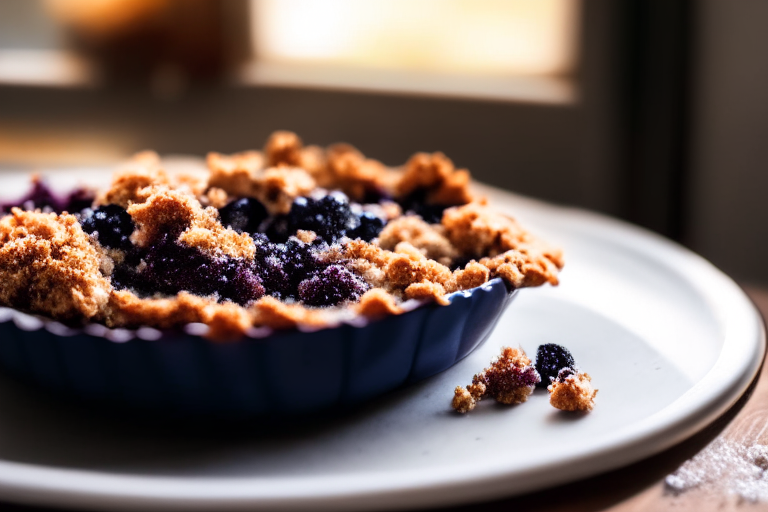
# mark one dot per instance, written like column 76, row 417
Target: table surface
column 723, row 468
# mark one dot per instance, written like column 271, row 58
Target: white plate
column 668, row 339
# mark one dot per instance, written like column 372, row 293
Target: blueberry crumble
column 291, row 235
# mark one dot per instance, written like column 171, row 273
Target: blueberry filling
column 369, row 228
column 290, row 270
column 550, row 359
column 329, row 217
column 167, row 267
column 283, row 266
column 415, row 203
column 330, row 286
column 41, row 197
column 112, row 223
column 243, row 215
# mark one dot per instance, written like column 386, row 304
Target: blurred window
column 518, row 49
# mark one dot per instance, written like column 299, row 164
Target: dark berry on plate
column 369, row 228
column 331, row 286
column 112, row 223
column 243, row 215
column 329, row 217
column 550, row 359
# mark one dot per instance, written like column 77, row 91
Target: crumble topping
column 287, row 236
column 572, row 391
column 49, row 266
column 436, row 176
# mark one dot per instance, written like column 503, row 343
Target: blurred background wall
column 652, row 111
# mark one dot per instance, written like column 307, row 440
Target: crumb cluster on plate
column 512, row 377
column 291, row 235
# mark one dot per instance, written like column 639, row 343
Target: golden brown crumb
column 283, row 148
column 142, row 171
column 172, row 211
column 396, row 271
column 48, row 265
column 472, row 276
column 511, row 252
column 163, row 211
column 348, row 170
column 509, row 380
column 429, row 239
column 463, row 401
column 270, row 312
column 573, row 393
column 306, row 236
column 242, row 175
column 279, row 186
column 234, row 173
column 435, row 174
column 427, row 291
column 227, row 321
column 216, row 197
column 128, row 310
column 377, row 303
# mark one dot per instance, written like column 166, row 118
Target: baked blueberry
column 78, row 200
column 168, row 267
column 550, row 359
column 112, row 223
column 330, row 216
column 244, row 215
column 39, row 196
column 415, row 203
column 369, row 228
column 331, row 286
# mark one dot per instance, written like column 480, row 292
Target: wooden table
column 641, row 486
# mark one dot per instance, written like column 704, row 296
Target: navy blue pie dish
column 289, row 372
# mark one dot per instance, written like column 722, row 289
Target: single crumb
column 572, row 391
column 509, row 380
column 463, row 401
